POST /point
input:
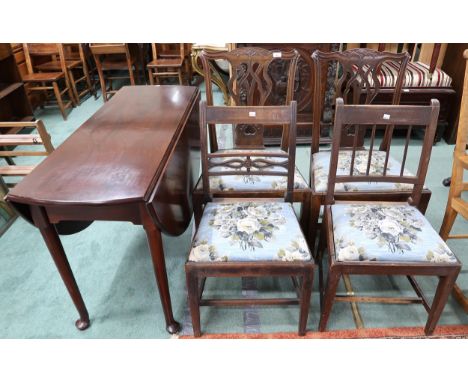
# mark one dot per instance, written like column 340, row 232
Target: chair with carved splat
column 245, row 237
column 377, row 237
column 358, row 81
column 250, row 83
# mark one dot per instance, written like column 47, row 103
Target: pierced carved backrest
column 369, row 168
column 359, row 74
column 250, row 83
column 248, row 162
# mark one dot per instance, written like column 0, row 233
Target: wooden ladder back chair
column 357, row 81
column 248, row 237
column 378, row 237
column 77, row 60
column 168, row 65
column 9, row 141
column 250, row 84
column 111, row 57
column 455, row 203
column 49, row 80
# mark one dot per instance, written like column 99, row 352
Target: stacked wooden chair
column 249, row 84
column 456, row 204
column 111, row 59
column 166, row 65
column 244, row 237
column 49, row 81
column 357, row 81
column 377, row 237
column 9, row 141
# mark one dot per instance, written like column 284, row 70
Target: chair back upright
column 252, row 81
column 160, row 50
column 248, row 162
column 358, row 119
column 44, row 52
column 358, row 78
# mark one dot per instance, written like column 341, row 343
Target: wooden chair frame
column 169, row 64
column 77, row 52
column 364, row 116
column 54, row 77
column 99, row 50
column 9, row 141
column 455, row 203
column 252, row 64
column 197, row 272
column 366, row 63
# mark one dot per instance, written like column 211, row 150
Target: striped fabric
column 416, row 76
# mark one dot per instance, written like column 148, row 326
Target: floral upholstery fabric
column 253, row 182
column 383, row 232
column 321, row 167
column 249, row 231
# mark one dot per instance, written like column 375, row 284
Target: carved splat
column 258, row 77
column 357, row 81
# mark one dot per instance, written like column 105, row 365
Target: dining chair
column 250, row 84
column 245, row 237
column 114, row 57
column 44, row 82
column 358, row 73
column 166, row 64
column 381, row 238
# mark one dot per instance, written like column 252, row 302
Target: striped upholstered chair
column 423, row 79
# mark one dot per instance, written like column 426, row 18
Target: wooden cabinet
column 454, row 66
column 14, row 104
column 303, row 87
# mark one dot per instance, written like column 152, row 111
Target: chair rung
column 241, row 302
column 16, row 170
column 41, row 88
column 20, row 139
column 458, row 236
column 22, row 153
column 382, row 300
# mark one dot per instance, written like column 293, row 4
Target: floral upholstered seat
column 321, row 167
column 249, row 231
column 253, row 182
column 384, row 232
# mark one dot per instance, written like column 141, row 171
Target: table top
column 117, row 155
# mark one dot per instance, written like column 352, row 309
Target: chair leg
column 443, row 290
column 305, row 214
column 194, row 300
column 59, row 99
column 447, row 223
column 74, row 91
column 197, row 208
column 306, row 292
column 179, row 74
column 332, row 283
column 314, row 214
column 151, row 79
column 319, row 262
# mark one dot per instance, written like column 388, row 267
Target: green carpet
column 113, row 268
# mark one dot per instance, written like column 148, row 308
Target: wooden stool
column 455, row 204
